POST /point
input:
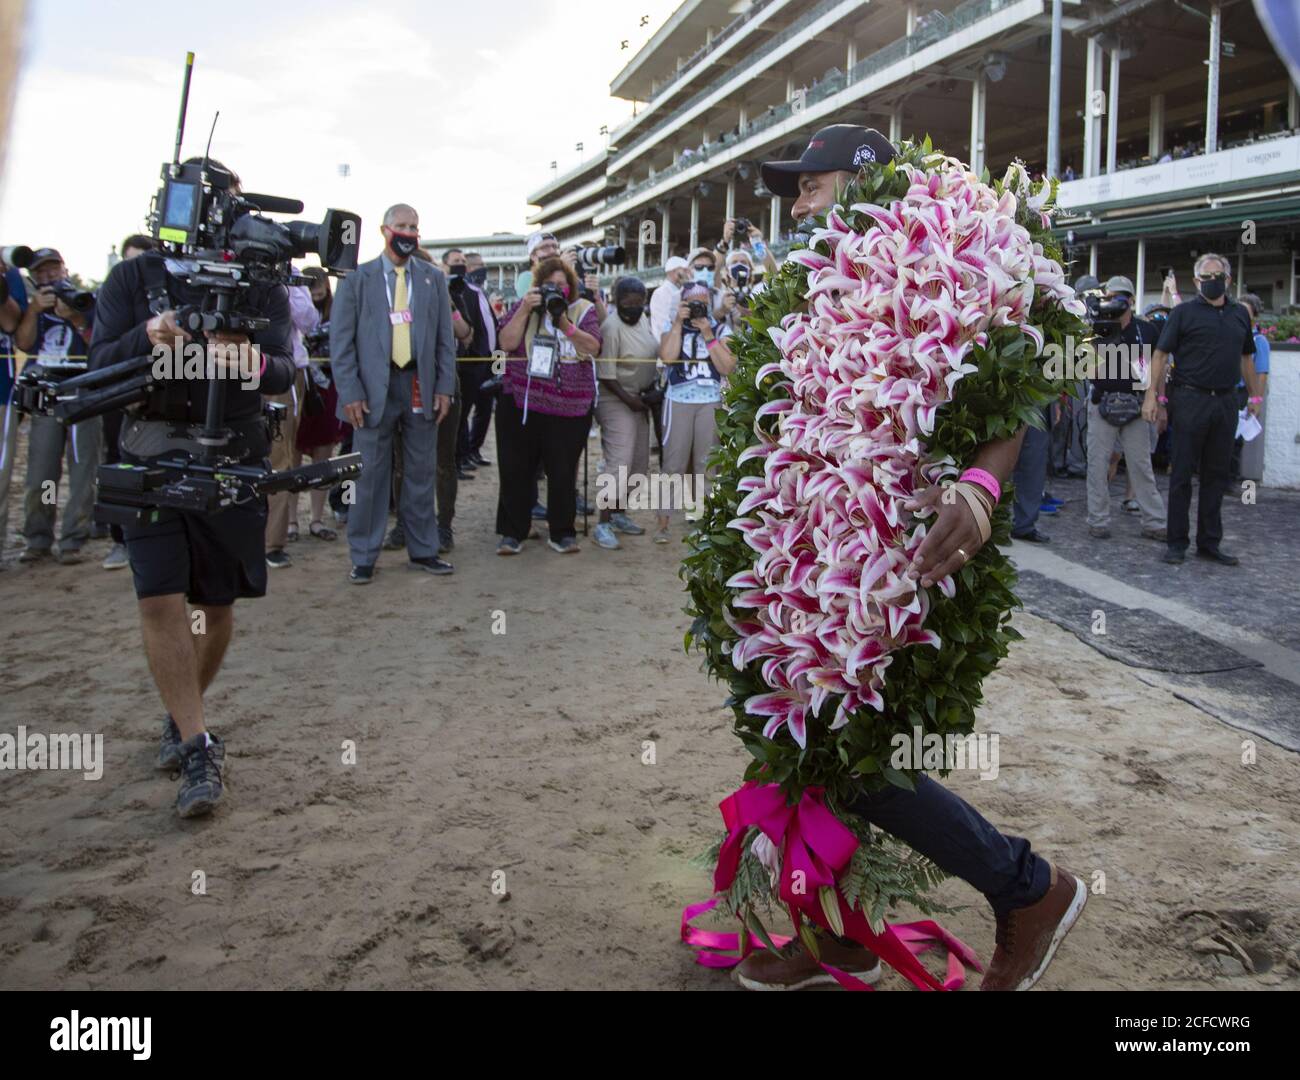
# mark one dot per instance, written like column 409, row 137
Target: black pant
column 112, row 456
column 1203, row 427
column 473, row 433
column 950, row 832
column 447, row 468
column 553, row 441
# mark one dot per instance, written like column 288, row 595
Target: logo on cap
column 863, row 153
column 816, row 144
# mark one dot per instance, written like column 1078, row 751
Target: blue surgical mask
column 704, row 277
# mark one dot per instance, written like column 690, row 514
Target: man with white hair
column 1212, row 338
column 668, row 296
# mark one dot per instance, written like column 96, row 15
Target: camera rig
column 220, row 247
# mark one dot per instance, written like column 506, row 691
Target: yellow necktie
column 401, row 330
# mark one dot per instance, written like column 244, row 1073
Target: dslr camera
column 698, row 309
column 553, row 301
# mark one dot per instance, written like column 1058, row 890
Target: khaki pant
column 284, row 455
column 9, row 417
column 48, row 442
column 1135, row 440
column 692, row 432
column 624, row 436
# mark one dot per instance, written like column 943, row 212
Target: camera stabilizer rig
column 222, row 247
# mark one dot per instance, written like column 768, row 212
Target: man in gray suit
column 394, row 363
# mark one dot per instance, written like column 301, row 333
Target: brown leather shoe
column 1028, row 937
column 765, row 970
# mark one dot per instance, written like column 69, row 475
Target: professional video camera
column 1103, row 314
column 221, row 247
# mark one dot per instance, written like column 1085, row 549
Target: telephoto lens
column 17, row 255
column 592, row 257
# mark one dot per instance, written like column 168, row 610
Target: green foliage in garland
column 937, row 690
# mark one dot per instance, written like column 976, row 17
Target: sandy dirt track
column 522, row 753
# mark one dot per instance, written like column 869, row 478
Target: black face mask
column 1213, row 289
column 457, row 271
column 631, row 315
column 404, row 244
column 478, row 277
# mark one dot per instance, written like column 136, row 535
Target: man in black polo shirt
column 1211, row 337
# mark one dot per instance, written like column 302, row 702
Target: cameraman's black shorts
column 214, row 559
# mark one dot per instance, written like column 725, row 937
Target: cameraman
column 211, row 560
column 738, row 282
column 697, row 356
column 55, row 332
column 1115, row 412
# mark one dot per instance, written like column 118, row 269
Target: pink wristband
column 986, row 480
column 571, row 330
column 1255, row 400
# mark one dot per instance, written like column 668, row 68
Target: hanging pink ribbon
column 815, row 848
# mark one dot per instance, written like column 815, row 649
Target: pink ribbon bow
column 815, row 847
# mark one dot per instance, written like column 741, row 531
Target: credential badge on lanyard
column 396, row 318
column 543, row 357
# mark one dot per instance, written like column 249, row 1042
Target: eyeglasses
column 1212, row 277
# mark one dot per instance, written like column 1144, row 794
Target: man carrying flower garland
column 1035, row 903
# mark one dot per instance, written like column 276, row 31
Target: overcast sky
column 457, row 108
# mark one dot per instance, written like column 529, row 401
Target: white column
column 640, row 251
column 789, row 87
column 774, row 220
column 850, row 55
column 1054, row 95
column 1241, row 270
column 1156, row 127
column 1092, row 258
column 731, row 197
column 1140, row 280
column 978, row 92
column 895, row 123
column 911, row 19
column 664, row 248
column 1112, row 113
column 695, row 222
column 1212, row 82
column 744, row 119
column 622, row 242
column 501, row 277
column 1091, row 165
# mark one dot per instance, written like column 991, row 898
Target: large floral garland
column 907, row 334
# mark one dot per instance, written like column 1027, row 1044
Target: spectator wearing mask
column 704, row 271
column 13, row 303
column 1213, row 339
column 476, row 411
column 667, row 297
column 739, row 281
column 134, row 245
column 53, row 332
column 622, row 408
column 544, row 413
column 1253, row 306
column 319, row 431
column 1115, row 411
column 394, row 360
column 697, row 357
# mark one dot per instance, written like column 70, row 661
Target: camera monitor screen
column 178, row 214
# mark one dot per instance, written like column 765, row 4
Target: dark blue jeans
column 1029, row 478
column 950, row 832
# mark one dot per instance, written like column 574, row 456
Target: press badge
column 399, row 317
column 543, row 357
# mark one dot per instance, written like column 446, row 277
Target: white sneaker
column 117, row 559
column 604, row 536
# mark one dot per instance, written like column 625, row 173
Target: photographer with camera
column 1115, row 411
column 628, row 397
column 668, row 295
column 739, row 284
column 697, row 357
column 745, row 232
column 544, row 413
column 209, row 559
column 394, row 361
column 13, row 303
column 55, row 329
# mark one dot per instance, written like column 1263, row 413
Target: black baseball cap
column 839, row 146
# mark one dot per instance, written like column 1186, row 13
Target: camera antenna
column 185, row 101
column 207, row 150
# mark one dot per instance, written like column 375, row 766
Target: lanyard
column 388, row 289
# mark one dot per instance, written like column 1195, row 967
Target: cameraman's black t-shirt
column 123, row 310
column 1139, row 332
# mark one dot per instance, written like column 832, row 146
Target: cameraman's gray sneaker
column 201, row 761
column 117, row 558
column 603, row 534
